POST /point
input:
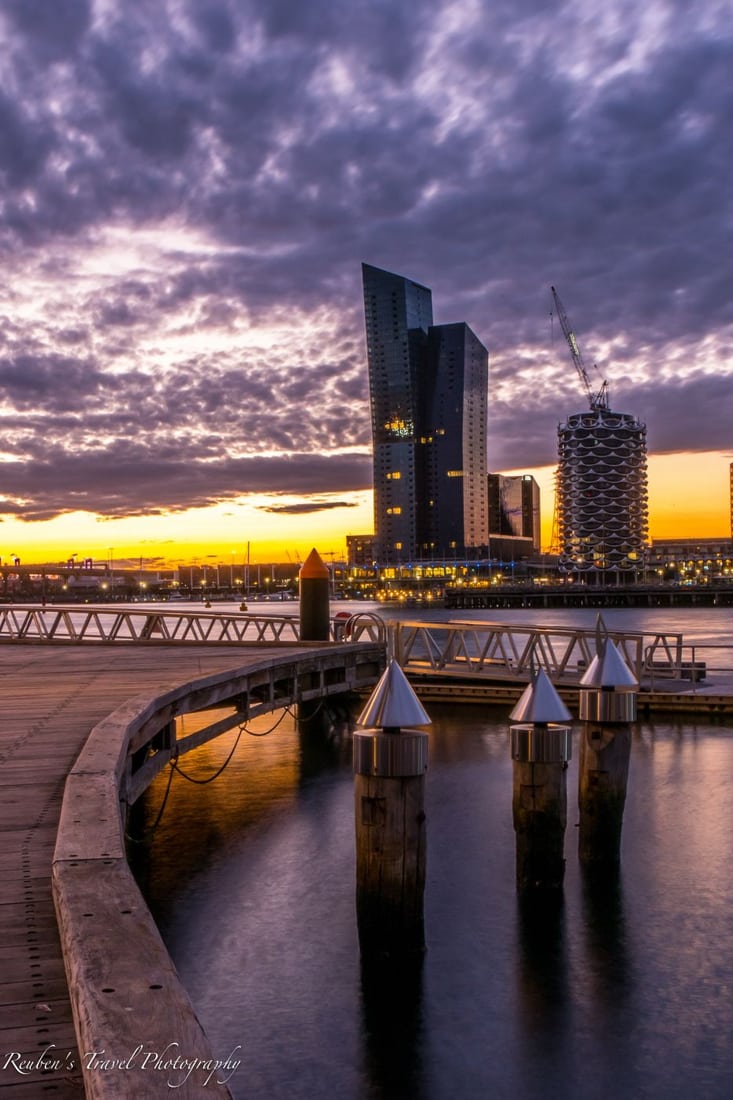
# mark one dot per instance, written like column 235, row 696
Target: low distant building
column 361, row 551
column 508, row 551
column 514, row 507
column 691, row 560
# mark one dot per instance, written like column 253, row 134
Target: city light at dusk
column 189, row 191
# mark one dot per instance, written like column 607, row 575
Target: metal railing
column 24, row 623
column 455, row 648
column 77, row 625
column 479, row 649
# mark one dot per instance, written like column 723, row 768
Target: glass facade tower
column 455, row 507
column 428, row 391
column 514, row 507
column 398, row 314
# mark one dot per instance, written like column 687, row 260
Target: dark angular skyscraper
column 454, row 442
column 428, row 387
column 398, row 315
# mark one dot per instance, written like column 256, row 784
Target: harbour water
column 621, row 989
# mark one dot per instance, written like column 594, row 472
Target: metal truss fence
column 496, row 649
column 75, row 625
column 455, row 648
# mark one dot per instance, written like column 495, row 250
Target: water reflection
column 620, row 987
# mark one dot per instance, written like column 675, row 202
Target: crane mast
column 597, row 400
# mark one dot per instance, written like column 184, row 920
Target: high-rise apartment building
column 453, row 443
column 514, row 507
column 398, row 314
column 602, row 495
column 428, row 388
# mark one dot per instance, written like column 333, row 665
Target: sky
column 188, row 189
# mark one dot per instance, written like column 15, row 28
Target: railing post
column 394, row 643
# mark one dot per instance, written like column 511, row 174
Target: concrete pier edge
column 128, row 1001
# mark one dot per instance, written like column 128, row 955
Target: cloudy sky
column 188, row 189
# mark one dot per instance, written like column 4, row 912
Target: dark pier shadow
column 544, row 997
column 392, row 1015
column 324, row 735
column 606, row 941
column 542, row 961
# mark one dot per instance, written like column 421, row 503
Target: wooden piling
column 602, row 781
column 391, row 843
column 541, row 748
column 540, row 812
column 390, row 761
column 607, row 709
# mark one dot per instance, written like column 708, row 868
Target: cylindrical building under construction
column 602, row 496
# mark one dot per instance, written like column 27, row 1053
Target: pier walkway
column 52, row 697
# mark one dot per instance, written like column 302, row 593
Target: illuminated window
column 398, row 546
column 394, row 511
column 398, row 427
column 455, row 473
column 394, row 475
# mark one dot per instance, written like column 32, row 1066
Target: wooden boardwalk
column 51, row 698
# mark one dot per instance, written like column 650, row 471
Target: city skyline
column 188, row 191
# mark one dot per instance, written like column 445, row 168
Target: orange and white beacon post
column 315, row 620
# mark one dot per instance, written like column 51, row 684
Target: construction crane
column 597, row 400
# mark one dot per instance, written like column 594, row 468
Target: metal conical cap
column 540, row 703
column 393, row 704
column 608, row 669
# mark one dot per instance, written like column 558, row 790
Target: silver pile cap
column 391, row 747
column 540, row 703
column 608, row 669
column 609, row 687
column 393, row 704
column 540, row 737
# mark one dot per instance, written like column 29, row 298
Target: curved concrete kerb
column 136, row 1028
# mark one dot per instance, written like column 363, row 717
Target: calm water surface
column 622, row 989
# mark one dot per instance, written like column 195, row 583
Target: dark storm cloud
column 189, row 186
column 307, row 507
column 132, row 479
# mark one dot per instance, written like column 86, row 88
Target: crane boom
column 597, row 400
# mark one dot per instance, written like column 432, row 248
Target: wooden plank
column 39, row 990
column 39, row 1012
column 47, row 1088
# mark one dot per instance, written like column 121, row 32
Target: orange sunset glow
column 688, row 497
